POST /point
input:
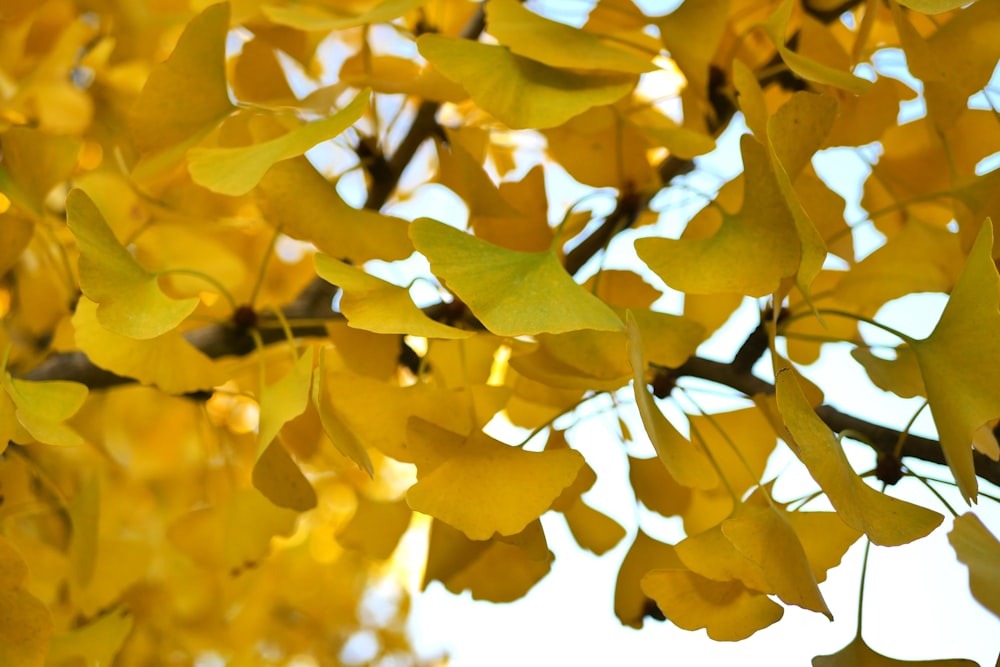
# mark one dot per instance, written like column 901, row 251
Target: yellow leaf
column 236, row 171
column 591, row 529
column 556, row 44
column 824, row 537
column 34, row 162
column 130, row 301
column 979, row 549
column 186, row 370
column 186, row 96
column 84, row 514
column 512, row 293
column 959, row 358
column 257, row 75
column 396, row 75
column 284, row 400
column 42, row 407
column 887, row 521
column 98, row 643
column 308, row 16
column 373, row 304
column 520, row 92
column 763, row 536
column 645, row 554
column 308, row 207
column 728, row 610
column 691, row 33
column 376, row 527
column 25, row 623
column 278, row 477
column 333, row 426
column 858, row 654
column 685, row 462
column 809, row 69
column 499, row 570
column 900, row 375
column 482, row 486
column 933, row 6
column 749, row 254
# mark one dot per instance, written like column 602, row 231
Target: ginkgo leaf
column 129, row 299
column 279, row 478
column 484, row 487
column 376, row 527
column 322, row 16
column 42, row 407
column 186, row 96
column 979, row 549
column 373, row 304
column 728, row 610
column 763, row 536
column 858, row 654
column 188, row 369
column 809, row 69
column 887, row 521
column 685, row 462
column 556, row 44
column 25, row 623
column 236, row 171
column 284, row 400
column 749, row 254
column 691, row 34
column 308, row 207
column 336, row 430
column 933, row 6
column 34, row 162
column 512, row 293
column 958, row 360
column 519, row 91
column 84, row 514
column 900, row 375
column 645, row 554
column 593, row 530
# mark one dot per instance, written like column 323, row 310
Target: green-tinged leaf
column 933, row 6
column 749, row 254
column 979, row 549
column 685, row 461
column 97, row 643
column 284, row 400
column 236, row 171
column 373, row 304
column 186, row 96
column 521, row 92
column 512, row 293
column 129, row 299
column 961, row 357
column 900, row 375
column 556, row 44
column 887, row 521
column 42, row 407
column 306, row 206
column 186, row 368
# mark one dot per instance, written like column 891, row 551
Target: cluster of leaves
column 208, row 458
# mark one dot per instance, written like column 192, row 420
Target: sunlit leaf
column 886, row 520
column 278, row 477
column 185, row 97
column 519, row 91
column 42, row 407
column 482, row 486
column 645, row 554
column 284, row 400
column 333, row 425
column 556, row 44
column 373, row 304
column 236, row 171
column 959, row 358
column 684, row 460
column 749, row 254
column 512, row 293
column 979, row 549
column 129, row 299
column 322, row 17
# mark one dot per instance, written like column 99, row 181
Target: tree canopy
column 282, row 280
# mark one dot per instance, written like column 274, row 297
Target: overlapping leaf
column 129, row 299
column 512, row 293
column 979, row 549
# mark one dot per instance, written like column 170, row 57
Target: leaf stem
column 897, row 451
column 867, row 320
column 263, row 265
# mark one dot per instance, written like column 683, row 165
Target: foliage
column 200, row 456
